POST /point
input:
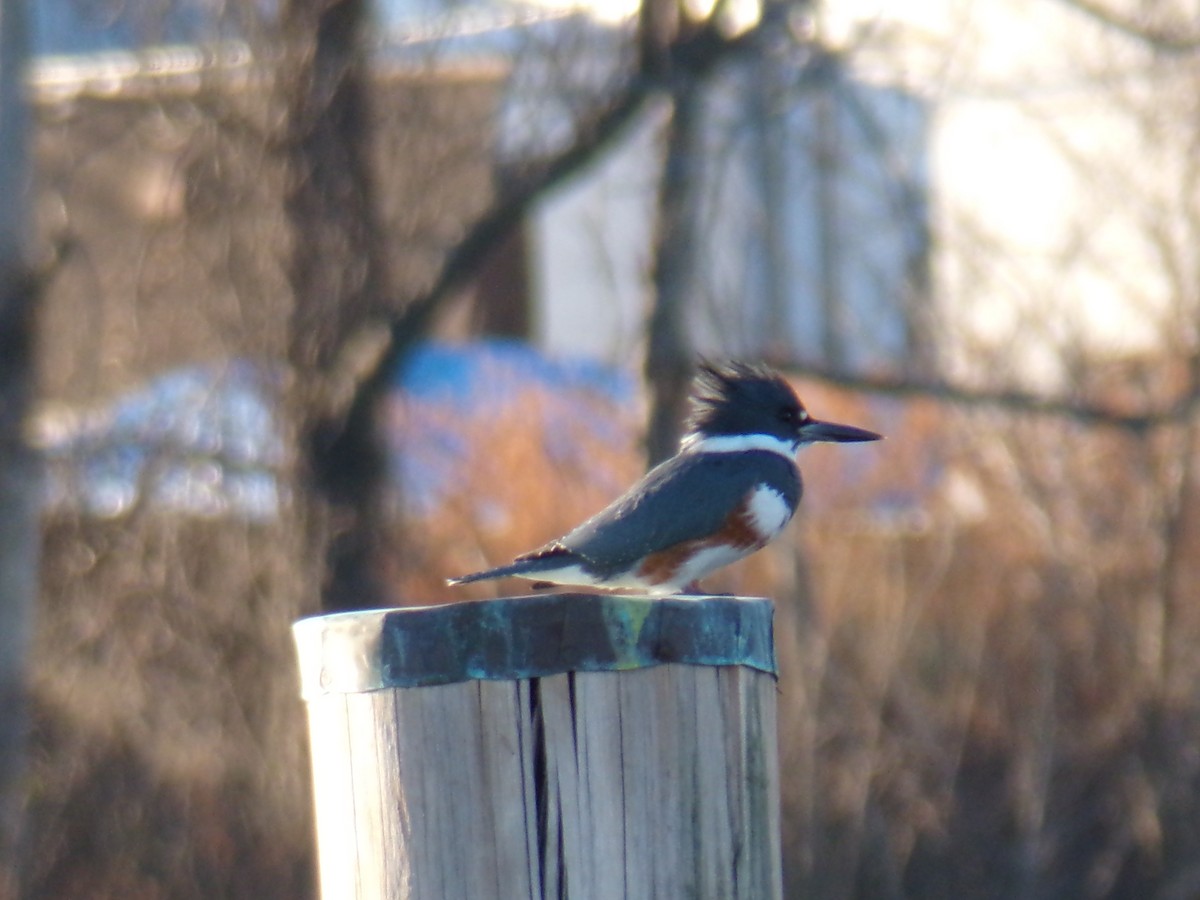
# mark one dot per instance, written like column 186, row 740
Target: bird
column 731, row 488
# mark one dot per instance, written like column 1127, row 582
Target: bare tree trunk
column 338, row 278
column 828, row 163
column 670, row 351
column 19, row 484
column 770, row 133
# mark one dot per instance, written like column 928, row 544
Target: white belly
column 701, row 565
column 769, row 512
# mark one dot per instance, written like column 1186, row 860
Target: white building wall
column 1060, row 152
column 1055, row 153
column 591, row 247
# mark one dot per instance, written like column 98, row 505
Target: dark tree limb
column 522, row 188
column 692, row 54
column 1181, row 410
column 670, row 349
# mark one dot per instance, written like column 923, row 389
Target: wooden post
column 590, row 747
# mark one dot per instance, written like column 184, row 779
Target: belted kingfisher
column 730, row 490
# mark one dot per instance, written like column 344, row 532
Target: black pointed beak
column 813, row 431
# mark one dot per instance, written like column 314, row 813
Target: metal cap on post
column 562, row 745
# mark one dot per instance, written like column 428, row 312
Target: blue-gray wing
column 688, row 497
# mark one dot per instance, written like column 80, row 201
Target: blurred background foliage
column 337, row 301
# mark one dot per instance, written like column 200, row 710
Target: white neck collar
column 736, row 443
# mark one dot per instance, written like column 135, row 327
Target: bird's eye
column 792, row 416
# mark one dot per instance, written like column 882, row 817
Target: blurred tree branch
column 1179, row 37
column 522, row 187
column 1137, row 422
column 670, row 56
column 669, row 353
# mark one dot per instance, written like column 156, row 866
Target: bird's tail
column 525, row 567
column 488, row 574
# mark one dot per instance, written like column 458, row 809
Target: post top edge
column 529, row 636
column 697, row 602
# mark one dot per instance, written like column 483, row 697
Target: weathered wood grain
column 656, row 781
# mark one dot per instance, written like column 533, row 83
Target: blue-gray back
column 689, row 496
